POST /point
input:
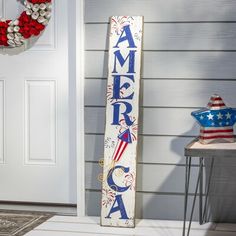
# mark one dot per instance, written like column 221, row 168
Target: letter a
column 127, row 36
column 120, row 207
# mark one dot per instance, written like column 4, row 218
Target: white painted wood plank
column 157, row 10
column 139, row 222
column 213, row 65
column 59, row 233
column 96, row 229
column 75, row 219
column 144, row 228
column 148, row 232
column 125, row 41
column 158, row 121
column 169, row 150
column 168, row 93
column 91, row 228
column 171, row 36
column 162, row 232
column 168, row 178
column 172, row 224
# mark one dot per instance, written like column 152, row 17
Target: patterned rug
column 18, row 223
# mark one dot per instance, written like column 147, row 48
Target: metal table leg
column 194, row 200
column 199, row 186
column 187, row 178
column 200, row 190
column 207, row 190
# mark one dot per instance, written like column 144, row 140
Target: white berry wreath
column 31, row 22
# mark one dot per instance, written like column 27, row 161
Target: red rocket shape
column 123, row 140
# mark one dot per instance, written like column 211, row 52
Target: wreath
column 32, row 21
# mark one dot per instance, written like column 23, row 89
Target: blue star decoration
column 216, row 120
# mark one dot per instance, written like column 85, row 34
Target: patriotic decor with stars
column 122, row 109
column 216, row 122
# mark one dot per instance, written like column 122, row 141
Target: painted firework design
column 120, row 143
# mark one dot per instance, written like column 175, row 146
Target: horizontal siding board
column 171, row 178
column 95, row 92
column 150, row 178
column 214, row 65
column 163, row 11
column 148, row 206
column 163, row 150
column 168, row 93
column 169, row 207
column 156, row 121
column 153, row 150
column 94, row 147
column 171, row 36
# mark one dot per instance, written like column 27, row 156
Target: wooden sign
column 121, row 134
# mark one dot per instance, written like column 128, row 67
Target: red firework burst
column 108, row 197
column 129, row 180
column 118, row 23
column 110, row 93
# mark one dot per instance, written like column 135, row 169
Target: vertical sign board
column 121, row 132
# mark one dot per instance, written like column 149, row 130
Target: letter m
column 130, row 58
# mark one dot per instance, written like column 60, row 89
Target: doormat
column 18, row 223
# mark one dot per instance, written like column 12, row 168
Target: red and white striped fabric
column 216, row 103
column 216, row 122
column 123, row 140
column 216, row 135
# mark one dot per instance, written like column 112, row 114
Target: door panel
column 2, row 131
column 34, row 113
column 40, row 122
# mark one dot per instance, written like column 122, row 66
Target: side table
column 201, row 151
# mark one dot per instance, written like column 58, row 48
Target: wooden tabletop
column 196, row 149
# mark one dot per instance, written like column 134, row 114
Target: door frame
column 80, row 77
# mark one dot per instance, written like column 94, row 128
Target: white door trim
column 79, row 24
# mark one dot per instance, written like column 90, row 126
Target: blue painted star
column 215, row 116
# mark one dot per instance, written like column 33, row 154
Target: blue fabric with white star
column 215, row 118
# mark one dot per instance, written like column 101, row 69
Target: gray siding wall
column 189, row 53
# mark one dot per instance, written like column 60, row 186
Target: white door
column 34, row 114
